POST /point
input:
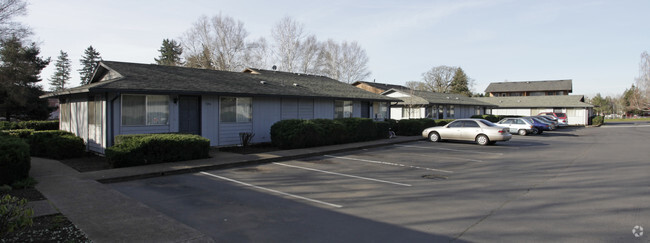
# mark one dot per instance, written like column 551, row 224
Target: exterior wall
column 210, row 118
column 289, row 108
column 512, row 111
column 323, row 109
column 78, row 106
column 306, row 108
column 431, row 111
column 265, row 114
column 97, row 133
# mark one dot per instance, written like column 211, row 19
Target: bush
column 413, row 127
column 331, row 131
column 14, row 160
column 156, row 148
column 18, row 133
column 359, row 129
column 296, row 133
column 14, row 214
column 35, row 125
column 442, row 122
column 382, row 129
column 56, row 144
column 598, row 120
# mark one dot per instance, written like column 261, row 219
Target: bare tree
column 8, row 10
column 257, row 54
column 439, row 78
column 309, row 59
column 415, row 85
column 643, row 81
column 346, row 62
column 221, row 36
column 288, row 36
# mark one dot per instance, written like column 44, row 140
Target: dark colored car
column 562, row 119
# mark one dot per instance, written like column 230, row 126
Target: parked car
column 549, row 120
column 548, row 125
column 519, row 126
column 561, row 117
column 482, row 131
column 538, row 127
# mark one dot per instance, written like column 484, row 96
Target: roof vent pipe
column 274, row 67
column 295, row 84
column 263, row 82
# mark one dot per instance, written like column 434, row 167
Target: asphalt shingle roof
column 151, row 78
column 550, row 85
column 426, row 97
column 537, row 101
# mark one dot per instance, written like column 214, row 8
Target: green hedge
column 141, row 149
column 413, row 127
column 54, row 144
column 442, row 122
column 359, row 129
column 14, row 160
column 382, row 129
column 35, row 125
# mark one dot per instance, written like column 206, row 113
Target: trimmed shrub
column 14, row 160
column 382, row 129
column 157, row 148
column 442, row 122
column 332, row 131
column 296, row 133
column 359, row 129
column 413, row 127
column 598, row 120
column 35, row 125
column 56, row 144
column 14, row 214
column 18, row 133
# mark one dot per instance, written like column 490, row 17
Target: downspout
column 112, row 121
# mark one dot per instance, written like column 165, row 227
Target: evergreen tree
column 170, row 53
column 20, row 69
column 88, row 64
column 460, row 83
column 62, row 75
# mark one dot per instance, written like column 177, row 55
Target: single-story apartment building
column 577, row 111
column 416, row 104
column 131, row 98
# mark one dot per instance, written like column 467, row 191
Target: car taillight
column 502, row 131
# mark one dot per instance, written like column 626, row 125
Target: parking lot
column 573, row 184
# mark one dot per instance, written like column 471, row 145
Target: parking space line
column 389, row 163
column 453, row 158
column 340, row 174
column 271, row 190
column 448, row 149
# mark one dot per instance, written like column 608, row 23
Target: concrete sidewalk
column 106, row 215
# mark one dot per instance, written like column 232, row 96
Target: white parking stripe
column 389, row 163
column 274, row 191
column 448, row 149
column 624, row 126
column 340, row 174
column 445, row 157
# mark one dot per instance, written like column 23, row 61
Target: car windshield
column 560, row 114
column 487, row 123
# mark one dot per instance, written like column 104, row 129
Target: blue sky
column 595, row 43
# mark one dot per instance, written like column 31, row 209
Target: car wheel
column 535, row 131
column 482, row 140
column 523, row 132
column 434, row 137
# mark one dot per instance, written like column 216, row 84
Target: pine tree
column 170, row 53
column 62, row 76
column 459, row 83
column 20, row 70
column 88, row 64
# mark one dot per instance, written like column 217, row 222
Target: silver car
column 519, row 126
column 482, row 131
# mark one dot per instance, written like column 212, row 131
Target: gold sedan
column 482, row 131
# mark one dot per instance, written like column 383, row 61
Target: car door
column 509, row 124
column 452, row 131
column 470, row 130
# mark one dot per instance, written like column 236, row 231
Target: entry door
column 189, row 115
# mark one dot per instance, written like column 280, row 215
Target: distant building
column 530, row 88
column 377, row 88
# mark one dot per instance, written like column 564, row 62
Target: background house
column 130, row 98
column 578, row 112
column 530, row 88
column 416, row 104
column 377, row 88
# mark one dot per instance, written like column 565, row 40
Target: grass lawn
column 627, row 120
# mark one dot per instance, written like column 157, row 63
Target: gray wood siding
column 79, row 117
column 266, row 112
column 323, row 109
column 306, row 109
column 229, row 132
column 210, row 118
column 289, row 108
column 97, row 133
column 356, row 108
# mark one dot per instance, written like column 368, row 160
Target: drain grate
column 435, row 177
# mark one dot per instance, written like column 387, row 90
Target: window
column 383, row 110
column 64, row 111
column 94, row 112
column 411, row 112
column 141, row 110
column 477, row 110
column 342, row 109
column 236, row 109
column 450, row 112
column 455, row 124
column 470, row 124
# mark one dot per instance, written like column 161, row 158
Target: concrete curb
column 316, row 151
